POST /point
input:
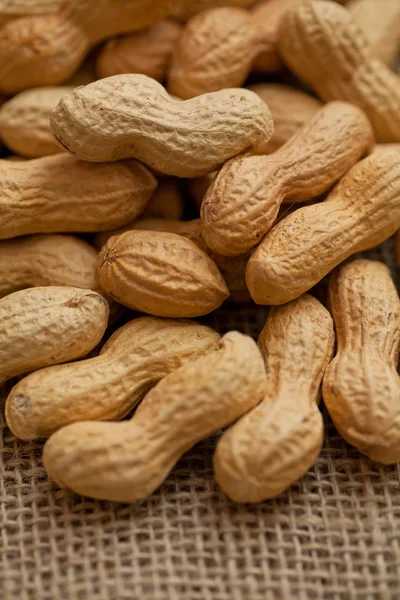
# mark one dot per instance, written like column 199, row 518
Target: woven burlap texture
column 335, row 534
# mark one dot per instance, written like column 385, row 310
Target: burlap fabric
column 334, row 535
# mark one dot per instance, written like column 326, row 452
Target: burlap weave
column 334, row 535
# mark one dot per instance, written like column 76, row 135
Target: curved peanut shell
column 243, row 202
column 48, row 325
column 108, row 386
column 185, row 407
column 59, row 193
column 148, row 52
column 133, row 116
column 278, row 441
column 290, row 108
column 361, row 386
column 25, row 121
column 361, row 212
column 159, row 273
column 324, row 46
column 42, row 260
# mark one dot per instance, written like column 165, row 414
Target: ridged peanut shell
column 361, row 212
column 108, row 386
column 324, row 46
column 48, row 325
column 361, row 386
column 60, row 193
column 147, row 52
column 278, row 441
column 159, row 273
column 25, row 121
column 243, row 202
column 185, row 407
column 42, row 260
column 104, row 121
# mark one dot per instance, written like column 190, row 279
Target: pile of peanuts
column 287, row 185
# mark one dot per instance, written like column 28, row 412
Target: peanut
column 361, row 212
column 186, row 10
column 243, row 202
column 42, row 260
column 290, row 108
column 48, row 325
column 361, row 386
column 60, row 193
column 278, row 441
column 148, row 52
column 324, row 46
column 159, row 273
column 219, row 46
column 167, row 200
column 46, row 46
column 25, row 121
column 380, row 22
column 185, row 139
column 185, row 407
column 108, row 386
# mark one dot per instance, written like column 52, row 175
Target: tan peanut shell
column 46, row 49
column 380, row 22
column 127, row 461
column 361, row 212
column 244, row 199
column 290, row 108
column 186, row 9
column 361, row 386
column 232, row 268
column 48, row 325
column 324, row 46
column 159, row 273
column 278, row 441
column 219, row 46
column 167, row 201
column 148, row 51
column 61, row 193
column 108, row 386
column 185, row 139
column 42, row 260
column 25, row 121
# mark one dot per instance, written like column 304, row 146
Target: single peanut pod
column 61, row 193
column 243, row 201
column 148, row 51
column 380, row 22
column 162, row 274
column 108, row 386
column 185, row 139
column 167, row 201
column 46, row 49
column 128, row 461
column 361, row 386
column 186, row 10
column 361, row 212
column 218, row 47
column 25, row 121
column 43, row 260
column 278, row 441
column 290, row 108
column 48, row 325
column 324, row 46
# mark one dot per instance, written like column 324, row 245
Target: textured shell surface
column 243, row 202
column 133, row 116
column 108, row 386
column 160, row 273
column 48, row 325
column 361, row 212
column 361, row 386
column 188, row 405
column 278, row 441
